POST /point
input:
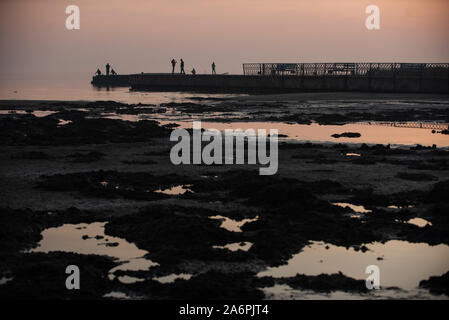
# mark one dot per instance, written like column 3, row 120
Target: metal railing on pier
column 421, row 125
column 359, row 69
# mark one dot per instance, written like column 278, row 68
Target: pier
column 298, row 77
column 111, row 81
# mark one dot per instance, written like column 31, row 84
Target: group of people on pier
column 182, row 71
column 109, row 70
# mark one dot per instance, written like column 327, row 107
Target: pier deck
column 273, row 78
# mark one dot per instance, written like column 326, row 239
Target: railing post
column 370, row 71
column 421, row 75
column 394, row 76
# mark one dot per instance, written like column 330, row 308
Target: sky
column 144, row 35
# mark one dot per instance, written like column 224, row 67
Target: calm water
column 57, row 86
column 403, row 265
column 371, row 134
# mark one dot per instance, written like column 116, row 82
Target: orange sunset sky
column 144, row 35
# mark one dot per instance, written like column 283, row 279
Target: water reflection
column 173, row 277
column 175, row 190
column 89, row 238
column 285, row 292
column 322, row 133
column 353, row 207
column 231, row 224
column 402, row 264
column 243, row 246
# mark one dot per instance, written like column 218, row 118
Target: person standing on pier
column 107, row 68
column 98, row 72
column 213, row 68
column 182, row 67
column 193, row 71
column 173, row 64
column 113, row 72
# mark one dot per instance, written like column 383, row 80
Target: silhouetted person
column 193, row 71
column 213, row 68
column 182, row 67
column 107, row 68
column 98, row 72
column 173, row 64
column 113, row 72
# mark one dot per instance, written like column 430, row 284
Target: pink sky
column 144, row 35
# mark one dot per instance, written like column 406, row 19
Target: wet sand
column 97, row 172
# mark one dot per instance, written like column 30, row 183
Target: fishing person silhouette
column 213, row 68
column 108, row 66
column 173, row 64
column 182, row 67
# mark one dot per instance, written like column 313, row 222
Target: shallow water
column 121, row 296
column 285, row 292
column 36, row 113
column 127, row 279
column 173, row 277
column 402, row 264
column 175, row 190
column 231, row 224
column 370, row 134
column 117, row 295
column 420, row 222
column 353, row 207
column 243, row 246
column 89, row 238
column 63, row 122
column 77, row 86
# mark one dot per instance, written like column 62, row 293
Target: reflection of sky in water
column 285, row 292
column 175, row 190
column 231, row 224
column 371, row 134
column 85, row 92
column 37, row 113
column 69, row 238
column 172, row 277
column 243, row 246
column 420, row 222
column 403, row 264
column 353, row 207
column 121, row 296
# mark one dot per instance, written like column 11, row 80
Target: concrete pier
column 268, row 84
column 274, row 78
column 120, row 80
